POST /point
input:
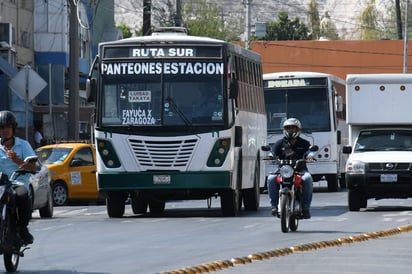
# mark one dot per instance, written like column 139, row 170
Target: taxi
column 73, row 171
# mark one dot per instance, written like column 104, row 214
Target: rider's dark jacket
column 283, row 149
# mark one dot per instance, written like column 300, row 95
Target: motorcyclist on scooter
column 292, row 147
column 13, row 151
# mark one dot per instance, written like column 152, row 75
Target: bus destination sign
column 154, row 52
column 294, row 82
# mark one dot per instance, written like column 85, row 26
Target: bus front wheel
column 115, row 203
column 230, row 202
column 139, row 203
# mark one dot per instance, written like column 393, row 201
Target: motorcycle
column 11, row 245
column 289, row 177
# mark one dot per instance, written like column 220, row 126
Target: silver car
column 40, row 191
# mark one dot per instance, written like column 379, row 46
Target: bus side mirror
column 238, row 136
column 234, row 89
column 91, row 89
column 339, row 137
column 347, row 149
column 339, row 103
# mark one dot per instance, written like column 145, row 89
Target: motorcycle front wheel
column 11, row 261
column 284, row 212
column 294, row 217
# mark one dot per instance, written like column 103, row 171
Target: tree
column 286, row 29
column 314, row 20
column 125, row 30
column 203, row 19
column 164, row 15
column 327, row 28
column 369, row 25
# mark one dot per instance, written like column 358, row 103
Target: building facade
column 37, row 34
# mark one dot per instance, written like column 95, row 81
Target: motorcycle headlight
column 286, row 171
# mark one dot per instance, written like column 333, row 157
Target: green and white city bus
column 178, row 117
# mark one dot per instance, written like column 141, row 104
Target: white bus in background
column 178, row 117
column 317, row 100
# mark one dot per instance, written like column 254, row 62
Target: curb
column 219, row 265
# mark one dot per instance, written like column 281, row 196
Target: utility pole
column 398, row 18
column 73, row 114
column 248, row 26
column 178, row 18
column 147, row 14
column 406, row 42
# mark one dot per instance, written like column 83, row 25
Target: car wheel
column 60, row 194
column 355, row 200
column 31, row 198
column 47, row 210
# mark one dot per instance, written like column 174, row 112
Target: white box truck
column 380, row 137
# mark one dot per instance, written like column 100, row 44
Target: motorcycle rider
column 13, row 151
column 292, row 147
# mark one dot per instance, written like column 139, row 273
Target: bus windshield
column 309, row 105
column 162, row 100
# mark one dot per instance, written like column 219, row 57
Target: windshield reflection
column 180, row 100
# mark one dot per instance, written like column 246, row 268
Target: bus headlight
column 107, row 153
column 219, row 152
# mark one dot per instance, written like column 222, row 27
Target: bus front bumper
column 163, row 180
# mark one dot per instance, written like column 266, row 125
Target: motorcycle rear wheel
column 285, row 212
column 11, row 261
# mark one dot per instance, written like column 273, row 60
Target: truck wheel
column 354, row 199
column 332, row 182
column 115, row 203
column 342, row 181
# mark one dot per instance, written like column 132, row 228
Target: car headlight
column 355, row 167
column 286, row 171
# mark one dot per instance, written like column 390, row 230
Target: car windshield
column 53, row 155
column 378, row 140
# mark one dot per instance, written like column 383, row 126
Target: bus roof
column 168, row 38
column 164, row 38
column 300, row 74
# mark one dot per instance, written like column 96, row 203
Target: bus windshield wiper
column 179, row 112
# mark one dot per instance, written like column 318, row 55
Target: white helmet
column 292, row 122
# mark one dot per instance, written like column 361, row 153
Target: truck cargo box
column 378, row 99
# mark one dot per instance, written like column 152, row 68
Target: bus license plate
column 161, row 179
column 389, row 178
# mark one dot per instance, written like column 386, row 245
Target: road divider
column 223, row 264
